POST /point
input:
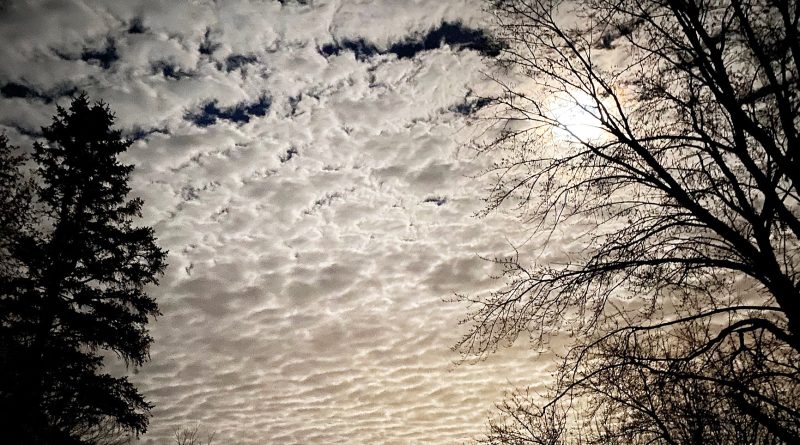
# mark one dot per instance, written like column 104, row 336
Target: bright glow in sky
column 576, row 113
column 299, row 161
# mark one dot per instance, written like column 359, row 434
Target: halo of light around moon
column 574, row 115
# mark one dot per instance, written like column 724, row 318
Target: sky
column 305, row 164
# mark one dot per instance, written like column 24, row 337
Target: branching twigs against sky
column 693, row 173
column 681, row 210
column 622, row 397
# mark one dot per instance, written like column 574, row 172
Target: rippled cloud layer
column 300, row 161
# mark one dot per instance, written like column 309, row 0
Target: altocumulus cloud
column 298, row 160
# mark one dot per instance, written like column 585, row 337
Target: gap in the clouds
column 438, row 200
column 470, row 105
column 136, row 26
column 16, row 90
column 294, row 102
column 454, row 34
column 328, row 200
column 208, row 46
column 295, row 2
column 13, row 90
column 236, row 61
column 138, row 133
column 361, row 49
column 104, row 57
column 290, row 153
column 169, row 70
column 240, row 113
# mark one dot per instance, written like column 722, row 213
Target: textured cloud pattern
column 300, row 161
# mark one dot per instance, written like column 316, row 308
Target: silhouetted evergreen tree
column 15, row 195
column 73, row 288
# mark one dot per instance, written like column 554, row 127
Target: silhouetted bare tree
column 104, row 431
column 661, row 137
column 73, row 286
column 192, row 436
column 647, row 387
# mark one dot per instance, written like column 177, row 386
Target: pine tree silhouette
column 77, row 291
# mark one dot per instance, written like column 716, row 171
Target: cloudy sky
column 302, row 162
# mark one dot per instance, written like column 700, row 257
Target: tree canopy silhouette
column 661, row 139
column 73, row 283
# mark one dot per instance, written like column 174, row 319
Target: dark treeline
column 73, row 271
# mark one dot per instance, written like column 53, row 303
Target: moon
column 574, row 117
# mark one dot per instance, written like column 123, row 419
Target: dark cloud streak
column 438, row 200
column 105, row 57
column 16, row 90
column 236, row 61
column 290, row 153
column 208, row 46
column 239, row 113
column 169, row 70
column 360, row 48
column 470, row 105
column 136, row 26
column 455, row 34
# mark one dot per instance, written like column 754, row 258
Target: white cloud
column 304, row 299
